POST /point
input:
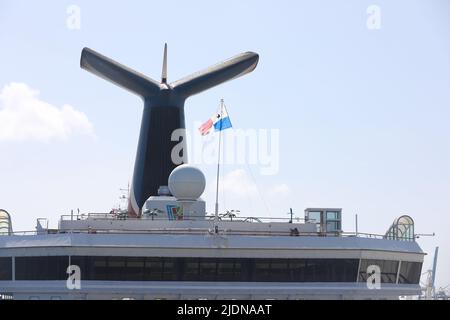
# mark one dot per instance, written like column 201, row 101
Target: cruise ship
column 165, row 245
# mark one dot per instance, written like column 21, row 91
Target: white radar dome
column 187, row 182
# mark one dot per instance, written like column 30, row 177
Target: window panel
column 310, row 270
column 5, row 268
column 211, row 269
column 410, row 272
column 261, row 270
column 333, row 215
column 42, row 268
column 208, row 270
column 297, row 270
column 153, row 269
column 228, row 270
column 100, row 268
column 135, row 269
column 190, row 269
column 388, row 270
column 169, row 269
column 314, row 216
column 279, row 270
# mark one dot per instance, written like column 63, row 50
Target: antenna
column 164, row 67
column 292, row 215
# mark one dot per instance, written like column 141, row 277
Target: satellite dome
column 187, row 182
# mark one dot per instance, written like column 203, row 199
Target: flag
column 220, row 121
column 206, row 127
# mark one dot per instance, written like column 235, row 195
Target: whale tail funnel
column 157, row 153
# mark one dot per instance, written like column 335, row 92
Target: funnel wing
column 217, row 74
column 118, row 74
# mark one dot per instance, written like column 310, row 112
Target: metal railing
column 115, row 216
column 196, row 231
column 193, row 231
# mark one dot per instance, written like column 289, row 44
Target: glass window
column 153, row 269
column 297, row 270
column 135, row 268
column 333, row 226
column 261, row 270
column 5, row 268
column 279, row 270
column 345, row 270
column 169, row 269
column 116, row 268
column 333, row 215
column 116, row 262
column 190, row 269
column 229, row 270
column 100, row 268
column 208, row 269
column 198, row 269
column 388, row 270
column 41, row 268
column 314, row 216
column 410, row 272
column 323, row 271
column 83, row 263
column 310, row 270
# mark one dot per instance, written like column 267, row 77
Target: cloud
column 280, row 191
column 238, row 190
column 239, row 184
column 23, row 117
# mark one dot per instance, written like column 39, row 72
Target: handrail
column 186, row 230
column 198, row 231
column 113, row 216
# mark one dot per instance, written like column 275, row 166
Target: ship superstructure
column 165, row 246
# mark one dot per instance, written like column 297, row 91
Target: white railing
column 115, row 216
column 196, row 231
column 193, row 231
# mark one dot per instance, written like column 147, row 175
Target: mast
column 164, row 67
column 433, row 277
column 216, row 211
column 430, row 290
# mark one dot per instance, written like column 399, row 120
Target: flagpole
column 216, row 212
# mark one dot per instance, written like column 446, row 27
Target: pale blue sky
column 363, row 114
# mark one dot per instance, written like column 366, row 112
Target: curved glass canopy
column 5, row 223
column 401, row 229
